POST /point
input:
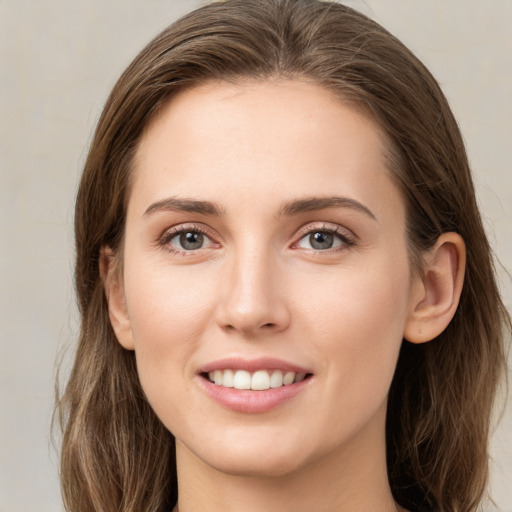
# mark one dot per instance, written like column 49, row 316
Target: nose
column 253, row 300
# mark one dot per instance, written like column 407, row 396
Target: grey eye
column 189, row 240
column 320, row 240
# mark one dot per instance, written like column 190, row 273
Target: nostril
column 231, row 327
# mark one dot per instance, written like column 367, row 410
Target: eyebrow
column 319, row 203
column 291, row 208
column 185, row 205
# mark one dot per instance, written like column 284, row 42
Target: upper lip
column 252, row 365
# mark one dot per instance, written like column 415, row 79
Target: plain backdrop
column 58, row 61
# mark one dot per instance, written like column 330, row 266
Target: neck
column 351, row 478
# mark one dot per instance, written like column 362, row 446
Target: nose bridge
column 252, row 299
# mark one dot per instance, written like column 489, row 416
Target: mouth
column 253, row 385
column 259, row 380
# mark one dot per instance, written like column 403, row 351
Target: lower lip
column 249, row 401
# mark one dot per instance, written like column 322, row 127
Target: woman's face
column 265, row 240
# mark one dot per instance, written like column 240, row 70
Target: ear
column 435, row 294
column 113, row 285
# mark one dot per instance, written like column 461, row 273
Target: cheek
column 356, row 327
column 165, row 305
column 351, row 302
column 167, row 316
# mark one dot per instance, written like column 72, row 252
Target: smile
column 253, row 385
column 259, row 380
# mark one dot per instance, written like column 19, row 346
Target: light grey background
column 58, row 61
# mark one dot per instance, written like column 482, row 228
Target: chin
column 252, row 456
column 271, row 466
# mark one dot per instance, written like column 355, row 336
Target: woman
column 273, row 229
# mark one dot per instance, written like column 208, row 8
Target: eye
column 324, row 239
column 186, row 239
column 189, row 240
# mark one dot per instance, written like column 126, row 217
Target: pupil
column 191, row 240
column 321, row 240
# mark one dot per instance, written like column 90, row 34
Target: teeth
column 228, row 379
column 288, row 378
column 258, row 381
column 276, row 379
column 242, row 380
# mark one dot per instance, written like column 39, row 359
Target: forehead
column 261, row 139
column 292, row 103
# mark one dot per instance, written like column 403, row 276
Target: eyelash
column 347, row 239
column 173, row 232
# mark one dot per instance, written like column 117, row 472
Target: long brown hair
column 116, row 454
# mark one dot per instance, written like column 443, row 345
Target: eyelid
column 173, row 231
column 347, row 236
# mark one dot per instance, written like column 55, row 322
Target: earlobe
column 435, row 294
column 112, row 283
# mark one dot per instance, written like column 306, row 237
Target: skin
column 256, row 287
